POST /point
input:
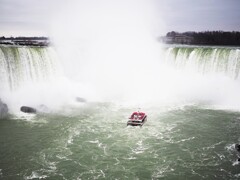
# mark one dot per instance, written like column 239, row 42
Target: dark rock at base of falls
column 237, row 147
column 27, row 109
column 79, row 99
column 3, row 110
column 41, row 109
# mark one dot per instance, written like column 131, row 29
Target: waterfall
column 31, row 76
column 19, row 65
column 205, row 60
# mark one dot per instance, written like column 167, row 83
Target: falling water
column 29, row 76
column 19, row 65
column 205, row 60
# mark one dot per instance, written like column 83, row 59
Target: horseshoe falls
column 191, row 100
column 23, row 64
column 203, row 75
column 205, row 60
column 30, row 76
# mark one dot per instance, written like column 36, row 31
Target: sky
column 36, row 17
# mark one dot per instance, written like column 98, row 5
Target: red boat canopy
column 139, row 115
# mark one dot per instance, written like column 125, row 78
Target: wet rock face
column 3, row 110
column 27, row 109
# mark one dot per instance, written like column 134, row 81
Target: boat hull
column 133, row 122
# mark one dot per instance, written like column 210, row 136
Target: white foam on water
column 36, row 175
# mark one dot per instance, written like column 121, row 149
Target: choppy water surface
column 93, row 142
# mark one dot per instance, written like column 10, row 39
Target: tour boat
column 137, row 119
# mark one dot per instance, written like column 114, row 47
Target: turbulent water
column 184, row 140
column 93, row 142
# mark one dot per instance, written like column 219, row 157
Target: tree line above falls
column 203, row 38
column 25, row 41
column 192, row 38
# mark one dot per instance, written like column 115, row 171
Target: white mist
column 110, row 46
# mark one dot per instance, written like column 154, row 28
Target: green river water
column 92, row 141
